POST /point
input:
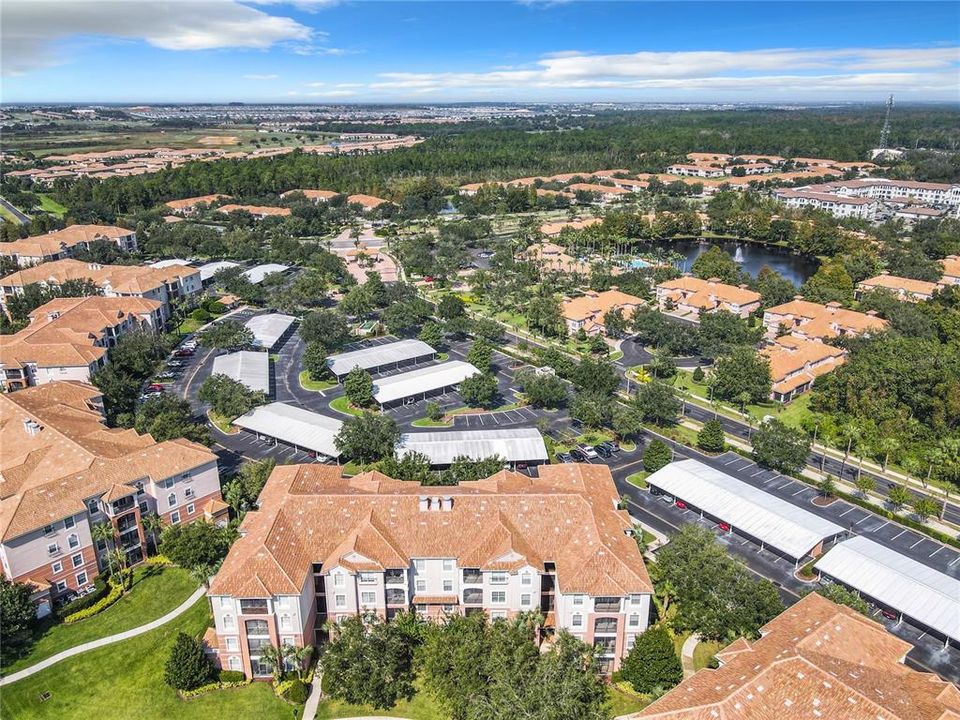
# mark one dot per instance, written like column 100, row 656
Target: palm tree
column 152, row 525
column 887, row 445
column 853, row 432
column 203, row 573
column 104, row 532
column 274, row 657
column 298, row 655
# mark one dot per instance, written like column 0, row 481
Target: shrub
column 295, row 692
column 187, row 667
column 652, row 662
column 160, row 560
column 201, row 315
column 111, row 597
column 710, row 437
column 100, row 588
column 232, row 676
column 214, row 306
column 434, row 411
column 698, row 374
column 657, row 455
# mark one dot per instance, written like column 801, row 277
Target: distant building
column 188, row 206
column 587, row 312
column 607, row 193
column 314, row 196
column 835, row 204
column 552, row 229
column 701, row 171
column 904, row 288
column 258, row 211
column 795, row 363
column 367, row 202
column 689, row 296
column 63, row 243
column 805, row 319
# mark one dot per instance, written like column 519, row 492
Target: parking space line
column 847, row 511
column 729, row 462
column 799, row 491
column 954, row 561
column 917, row 543
column 882, row 526
column 897, row 535
column 865, row 517
column 758, row 472
column 788, row 482
column 936, row 551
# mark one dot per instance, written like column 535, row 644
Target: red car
column 889, row 614
column 154, row 388
column 681, row 504
column 184, row 352
column 724, row 526
column 428, row 278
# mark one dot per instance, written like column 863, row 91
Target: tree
column 835, row 592
column 227, row 335
column 542, row 390
column 831, row 283
column 924, row 508
column 592, row 408
column 898, row 496
column 698, row 374
column 716, row 263
column 402, row 318
column 721, row 331
column 627, row 421
column 18, row 617
column 657, row 403
column 152, row 526
column 865, row 485
column 450, row 307
column 370, row 661
column 827, row 486
column 412, row 467
column 596, row 375
column 275, row 658
column 480, row 355
column 358, row 387
column 105, row 532
column 431, row 334
column 774, row 288
column 657, row 455
column 661, row 365
column 543, row 314
column 167, row 417
column 479, row 390
column 327, row 326
column 780, row 447
column 434, row 412
column 615, row 323
column 466, row 469
column 452, row 661
column 196, row 544
column 652, row 662
column 368, row 437
column 711, row 438
column 228, row 398
column 742, row 371
column 187, row 667
column 315, row 360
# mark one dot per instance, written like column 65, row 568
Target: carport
column 293, row 426
column 926, row 596
column 776, row 524
column 249, row 368
column 519, row 445
column 420, row 384
column 378, row 358
column 271, row 329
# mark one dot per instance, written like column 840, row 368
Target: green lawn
column 190, row 325
column 125, row 681
column 638, row 478
column 51, row 206
column 342, row 405
column 620, row 703
column 156, row 591
column 704, row 651
column 315, row 385
column 427, row 422
column 222, row 424
column 421, row 707
column 8, row 216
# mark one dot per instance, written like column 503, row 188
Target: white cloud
column 36, row 33
column 801, row 72
column 332, row 93
column 305, row 5
column 260, row 77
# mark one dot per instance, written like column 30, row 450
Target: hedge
column 296, row 693
column 100, row 588
column 116, row 591
column 161, row 560
column 210, row 687
column 232, row 676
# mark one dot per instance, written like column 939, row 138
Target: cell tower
column 885, row 133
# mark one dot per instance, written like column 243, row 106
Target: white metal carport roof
column 268, row 329
column 774, row 522
column 415, row 382
column 210, row 269
column 910, row 587
column 257, row 273
column 378, row 356
column 294, row 425
column 516, row 445
column 171, row 262
column 248, row 367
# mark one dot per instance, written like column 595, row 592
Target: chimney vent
column 424, row 503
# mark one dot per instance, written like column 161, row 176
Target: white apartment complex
column 63, row 243
column 833, row 203
column 322, row 547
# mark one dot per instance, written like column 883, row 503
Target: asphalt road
column 23, row 219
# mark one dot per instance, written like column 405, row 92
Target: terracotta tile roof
column 312, row 194
column 309, row 513
column 796, row 361
column 597, row 304
column 555, row 228
column 55, row 242
column 951, row 266
column 262, row 210
column 190, row 203
column 127, row 279
column 815, row 660
column 368, row 201
column 601, row 189
column 825, row 321
column 708, row 294
column 899, row 284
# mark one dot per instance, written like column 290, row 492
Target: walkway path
column 686, row 655
column 310, row 709
column 109, row 640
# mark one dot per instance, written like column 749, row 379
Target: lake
column 750, row 256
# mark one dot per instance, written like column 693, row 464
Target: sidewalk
column 686, row 655
column 109, row 640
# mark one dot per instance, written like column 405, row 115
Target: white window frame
column 368, row 598
column 576, row 620
column 286, row 622
column 340, row 601
column 497, row 593
column 234, row 663
column 81, row 583
column 419, row 565
column 495, row 578
column 57, row 567
column 77, row 560
column 73, row 541
column 175, row 518
column 172, row 500
column 188, row 492
column 366, row 578
column 421, row 585
column 578, row 600
column 228, row 622
column 52, row 548
column 49, row 529
column 525, row 599
column 339, row 580
column 233, row 644
column 191, row 509
column 526, row 579
column 448, row 585
column 61, row 585
column 448, row 565
column 633, row 620
column 69, row 522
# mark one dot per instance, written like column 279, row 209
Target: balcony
column 606, row 605
column 605, row 645
column 395, row 577
column 472, row 596
column 396, row 596
column 253, row 607
column 472, row 576
column 605, row 625
column 122, row 505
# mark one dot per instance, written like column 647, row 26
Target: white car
column 589, row 451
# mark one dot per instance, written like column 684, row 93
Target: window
column 168, row 483
column 577, row 620
column 339, row 580
column 634, row 620
column 606, row 605
column 228, row 622
column 367, row 577
column 419, row 565
column 188, row 493
column 61, row 585
column 448, row 585
column 631, row 640
column 93, row 507
column 73, row 541
column 498, row 614
column 448, row 609
column 341, row 601
column 77, row 560
column 635, row 599
column 186, row 477
column 526, row 579
column 287, row 640
column 175, row 518
column 257, row 628
column 172, row 499
column 69, row 522
column 578, row 599
column 48, row 529
column 285, row 622
column 81, row 579
column 190, row 509
column 525, row 599
column 53, row 549
column 421, row 585
column 498, row 596
column 139, row 486
column 498, row 578
column 448, row 565
column 234, row 662
column 57, row 567
column 232, row 644
column 367, row 598
column 256, row 606
column 605, row 625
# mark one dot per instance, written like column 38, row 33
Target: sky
column 324, row 51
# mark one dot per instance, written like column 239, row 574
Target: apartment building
column 925, row 193
column 833, row 203
column 322, row 547
column 63, row 243
column 587, row 311
column 816, row 659
column 258, row 211
column 904, row 288
column 796, row 362
column 804, row 319
column 690, row 296
column 607, row 193
column 750, row 168
column 701, row 171
column 188, row 206
column 367, row 202
column 951, row 270
column 63, row 471
column 68, row 338
column 167, row 284
column 553, row 229
column 314, row 196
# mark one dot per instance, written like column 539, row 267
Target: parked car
column 184, row 352
column 681, row 504
column 602, row 451
column 485, row 254
column 666, row 497
column 168, row 375
column 521, row 466
column 725, row 527
column 564, row 458
column 889, row 614
column 578, row 455
column 611, row 445
column 154, row 388
column 588, row 451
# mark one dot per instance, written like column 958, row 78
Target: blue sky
column 327, row 51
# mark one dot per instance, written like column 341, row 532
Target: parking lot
column 520, row 416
